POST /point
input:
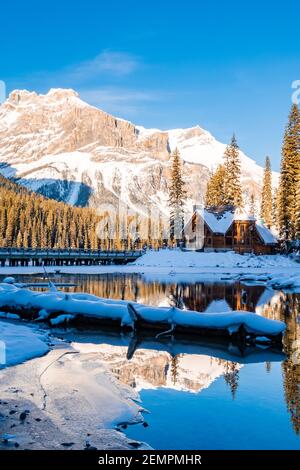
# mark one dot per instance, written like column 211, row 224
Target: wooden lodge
column 225, row 229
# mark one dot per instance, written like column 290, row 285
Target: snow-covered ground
column 19, row 343
column 65, row 399
column 195, row 260
column 183, row 261
column 183, row 266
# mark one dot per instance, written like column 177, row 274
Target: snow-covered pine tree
column 177, row 196
column 289, row 175
column 266, row 208
column 215, row 190
column 233, row 188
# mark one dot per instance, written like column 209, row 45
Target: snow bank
column 19, row 343
column 91, row 306
column 72, row 397
column 166, row 263
column 179, row 259
column 285, row 283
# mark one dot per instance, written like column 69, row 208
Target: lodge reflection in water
column 194, row 296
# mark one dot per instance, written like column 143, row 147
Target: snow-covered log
column 80, row 307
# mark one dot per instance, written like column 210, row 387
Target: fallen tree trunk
column 79, row 308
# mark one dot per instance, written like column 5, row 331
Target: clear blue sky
column 225, row 65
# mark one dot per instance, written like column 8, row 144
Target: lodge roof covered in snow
column 219, row 220
column 267, row 236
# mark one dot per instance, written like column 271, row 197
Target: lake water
column 203, row 394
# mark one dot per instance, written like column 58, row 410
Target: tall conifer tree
column 266, row 209
column 289, row 176
column 298, row 209
column 215, row 190
column 177, row 196
column 233, row 188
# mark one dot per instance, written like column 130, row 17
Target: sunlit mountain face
column 60, row 146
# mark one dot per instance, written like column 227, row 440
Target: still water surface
column 204, row 395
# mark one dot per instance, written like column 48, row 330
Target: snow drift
column 19, row 344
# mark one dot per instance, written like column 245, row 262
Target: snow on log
column 87, row 306
column 61, row 319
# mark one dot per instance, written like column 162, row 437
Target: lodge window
column 194, row 222
column 209, row 241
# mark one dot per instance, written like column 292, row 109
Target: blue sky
column 227, row 66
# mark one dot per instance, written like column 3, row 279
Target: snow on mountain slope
column 66, row 149
column 198, row 146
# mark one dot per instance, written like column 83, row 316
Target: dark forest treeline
column 31, row 220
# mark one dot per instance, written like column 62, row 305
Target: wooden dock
column 70, row 257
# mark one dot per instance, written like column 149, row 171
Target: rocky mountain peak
column 57, row 144
column 60, row 93
column 18, row 96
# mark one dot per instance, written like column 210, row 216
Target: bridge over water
column 69, row 257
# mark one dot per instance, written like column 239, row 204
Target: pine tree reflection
column 290, row 305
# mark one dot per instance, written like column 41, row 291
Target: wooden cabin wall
column 242, row 237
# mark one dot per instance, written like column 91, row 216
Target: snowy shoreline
column 74, row 384
column 178, row 266
column 39, row 408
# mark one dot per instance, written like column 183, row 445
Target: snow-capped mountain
column 62, row 147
